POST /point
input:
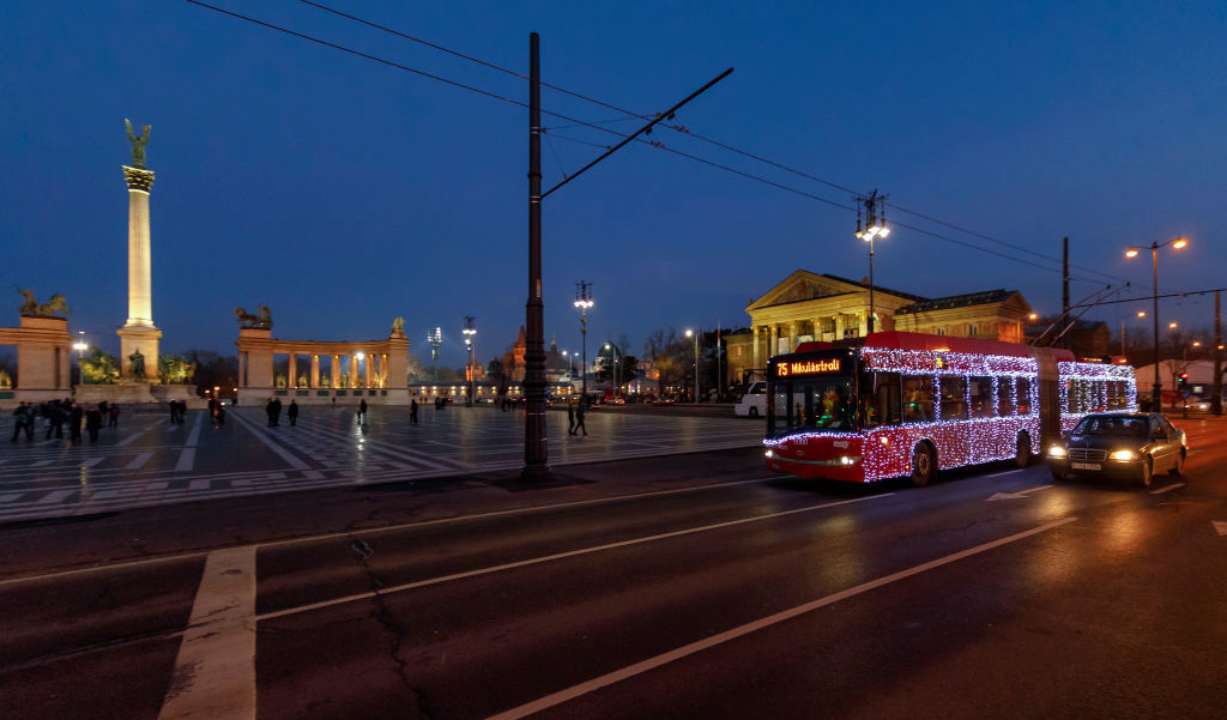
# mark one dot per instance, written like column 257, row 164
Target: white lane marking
column 53, row 497
column 136, row 435
column 139, row 461
column 187, row 460
column 1004, row 472
column 262, row 437
column 92, row 462
column 1220, row 527
column 193, row 438
column 438, row 580
column 313, row 475
column 568, row 694
column 41, row 463
column 1167, row 488
column 10, row 497
column 1017, row 495
column 199, row 485
column 368, row 531
column 215, row 671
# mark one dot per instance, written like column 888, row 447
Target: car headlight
column 769, row 454
column 1056, row 451
column 1123, row 455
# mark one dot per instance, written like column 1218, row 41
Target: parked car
column 1133, row 447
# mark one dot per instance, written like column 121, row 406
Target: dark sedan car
column 1121, row 446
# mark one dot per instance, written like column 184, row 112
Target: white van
column 754, row 402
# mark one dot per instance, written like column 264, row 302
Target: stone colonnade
column 44, row 360
column 375, row 370
column 827, row 328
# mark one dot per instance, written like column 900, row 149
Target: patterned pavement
column 147, row 461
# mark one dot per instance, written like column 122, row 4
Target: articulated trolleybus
column 899, row 404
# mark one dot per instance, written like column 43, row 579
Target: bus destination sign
column 798, row 368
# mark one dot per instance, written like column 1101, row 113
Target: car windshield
column 1118, row 425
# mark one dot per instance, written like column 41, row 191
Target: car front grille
column 1087, row 455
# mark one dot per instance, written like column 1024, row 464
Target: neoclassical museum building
column 809, row 306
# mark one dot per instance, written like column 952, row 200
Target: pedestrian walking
column 413, row 411
column 570, row 417
column 75, row 415
column 220, row 417
column 93, row 423
column 292, row 412
column 113, row 416
column 268, row 411
column 579, row 420
column 23, row 420
column 55, row 420
column 276, row 412
column 362, row 411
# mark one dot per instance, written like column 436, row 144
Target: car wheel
column 924, row 465
column 1148, row 472
column 1178, row 469
column 1058, row 475
column 753, row 412
column 1022, row 456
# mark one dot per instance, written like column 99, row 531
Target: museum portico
column 375, row 370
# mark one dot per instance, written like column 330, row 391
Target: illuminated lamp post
column 694, row 334
column 470, row 341
column 435, row 340
column 614, row 352
column 584, row 303
column 1177, row 243
column 875, row 227
column 81, row 347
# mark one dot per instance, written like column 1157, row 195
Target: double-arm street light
column 435, row 339
column 1177, row 243
column 470, row 343
column 875, row 227
column 695, row 334
column 583, row 303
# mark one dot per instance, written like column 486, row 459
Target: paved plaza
column 148, row 461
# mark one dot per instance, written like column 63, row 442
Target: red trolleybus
column 906, row 404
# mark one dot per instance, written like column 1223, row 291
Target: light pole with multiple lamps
column 81, row 347
column 695, row 334
column 470, row 343
column 435, row 339
column 875, row 227
column 1177, row 243
column 583, row 303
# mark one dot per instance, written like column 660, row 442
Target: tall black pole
column 1216, row 401
column 536, row 450
column 1156, row 396
column 1064, row 283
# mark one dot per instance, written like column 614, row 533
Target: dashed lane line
column 1167, row 488
column 643, row 666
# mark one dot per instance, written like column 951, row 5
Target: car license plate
column 1085, row 466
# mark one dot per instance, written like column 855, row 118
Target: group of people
column 272, row 409
column 575, row 417
column 57, row 413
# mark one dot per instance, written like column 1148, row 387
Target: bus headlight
column 1123, row 456
column 847, row 460
column 1056, row 451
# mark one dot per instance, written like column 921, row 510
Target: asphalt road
column 690, row 586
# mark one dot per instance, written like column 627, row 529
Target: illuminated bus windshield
column 811, row 393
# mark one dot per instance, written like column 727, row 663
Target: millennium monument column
column 139, row 336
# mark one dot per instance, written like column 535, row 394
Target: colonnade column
column 335, row 371
column 366, row 371
column 793, row 328
column 315, row 370
column 755, row 347
column 353, row 370
column 383, row 370
column 293, row 379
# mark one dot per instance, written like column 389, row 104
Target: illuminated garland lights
column 962, row 441
column 1091, row 393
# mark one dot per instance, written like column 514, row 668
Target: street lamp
column 614, row 352
column 875, row 227
column 1177, row 243
column 693, row 334
column 584, row 303
column 1141, row 313
column 80, row 346
column 470, row 341
column 435, row 339
column 1033, row 316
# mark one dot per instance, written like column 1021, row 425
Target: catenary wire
column 578, row 122
column 677, row 127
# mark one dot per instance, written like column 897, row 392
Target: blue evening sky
column 343, row 193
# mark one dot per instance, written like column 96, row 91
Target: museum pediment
column 802, row 285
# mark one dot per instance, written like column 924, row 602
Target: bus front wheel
column 924, row 464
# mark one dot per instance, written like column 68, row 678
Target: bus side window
column 954, row 405
column 981, row 391
column 1005, row 396
column 1023, row 395
column 917, row 398
column 881, row 404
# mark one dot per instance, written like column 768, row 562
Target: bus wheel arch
column 924, row 463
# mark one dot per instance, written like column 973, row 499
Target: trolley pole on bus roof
column 536, row 451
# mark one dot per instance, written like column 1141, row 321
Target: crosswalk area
column 147, row 461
